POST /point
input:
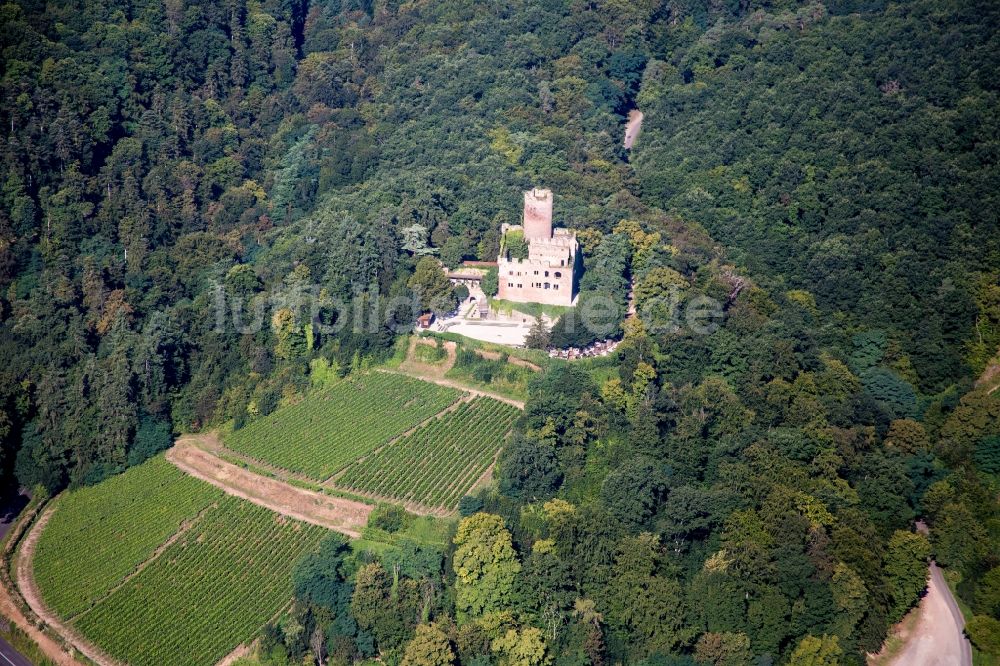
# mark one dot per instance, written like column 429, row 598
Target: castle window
column 546, row 285
column 558, row 274
column 555, row 286
column 518, row 286
column 511, row 273
column 546, row 273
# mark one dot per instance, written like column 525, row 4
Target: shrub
column 984, row 632
column 469, row 505
column 515, row 245
column 388, row 517
column 491, row 281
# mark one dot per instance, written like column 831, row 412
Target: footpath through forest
column 632, row 128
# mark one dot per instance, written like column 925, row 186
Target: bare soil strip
column 335, row 513
column 990, row 373
column 239, row 652
column 209, row 441
column 25, row 581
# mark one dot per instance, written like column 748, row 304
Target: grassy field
column 430, row 355
column 436, row 464
column 209, row 591
column 497, row 375
column 330, row 429
column 434, row 531
column 509, row 379
column 100, row 534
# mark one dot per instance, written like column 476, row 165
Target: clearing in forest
column 330, row 429
column 437, row 463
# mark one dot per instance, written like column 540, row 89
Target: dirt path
column 513, row 360
column 436, row 373
column 52, row 649
column 239, row 652
column 335, row 513
column 459, row 387
column 11, row 609
column 25, row 581
column 209, row 441
column 632, row 128
column 937, row 639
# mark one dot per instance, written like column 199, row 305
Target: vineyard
column 437, row 463
column 207, row 592
column 328, row 430
column 98, row 535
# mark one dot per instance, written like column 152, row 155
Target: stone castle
column 550, row 272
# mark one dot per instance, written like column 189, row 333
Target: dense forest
column 826, row 173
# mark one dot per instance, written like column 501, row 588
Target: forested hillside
column 824, row 174
column 850, row 157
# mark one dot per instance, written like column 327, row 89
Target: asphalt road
column 10, row 657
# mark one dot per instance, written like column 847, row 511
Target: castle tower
column 550, row 272
column 538, row 214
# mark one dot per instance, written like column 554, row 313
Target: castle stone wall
column 548, row 274
column 526, row 281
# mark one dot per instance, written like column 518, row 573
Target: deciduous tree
column 486, row 566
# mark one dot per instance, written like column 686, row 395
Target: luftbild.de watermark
column 369, row 312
